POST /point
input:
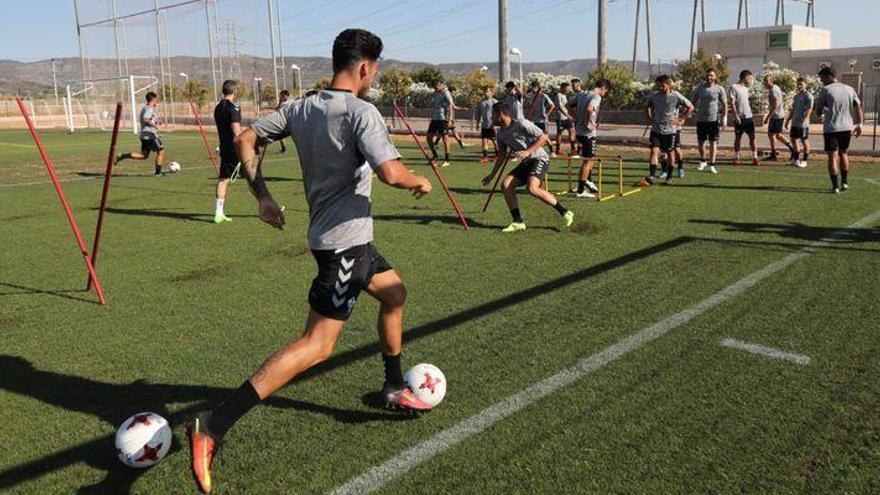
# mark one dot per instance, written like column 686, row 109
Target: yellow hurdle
column 620, row 175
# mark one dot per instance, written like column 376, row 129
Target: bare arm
column 246, row 146
column 860, row 113
column 499, row 162
column 236, row 128
column 395, row 174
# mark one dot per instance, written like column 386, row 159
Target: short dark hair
column 711, row 69
column 744, row 74
column 150, row 96
column 575, row 80
column 801, row 80
column 451, row 88
column 354, row 45
column 510, row 84
column 501, row 107
column 603, row 83
column 229, row 87
column 827, row 72
column 663, row 79
column 564, row 85
column 284, row 92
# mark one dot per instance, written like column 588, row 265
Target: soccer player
column 453, row 131
column 564, row 122
column 577, row 87
column 775, row 117
column 743, row 119
column 586, row 114
column 227, row 117
column 514, row 99
column 540, row 106
column 440, row 119
column 283, row 97
column 836, row 103
column 709, row 98
column 340, row 139
column 149, row 136
column 487, row 128
column 662, row 110
column 799, row 120
column 528, row 141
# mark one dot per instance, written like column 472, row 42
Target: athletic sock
column 755, row 154
column 446, row 158
column 393, row 373
column 834, row 183
column 514, row 212
column 158, row 170
column 485, row 153
column 680, row 165
column 232, row 409
column 843, row 174
column 582, row 186
column 652, row 169
column 218, row 207
column 806, row 156
column 559, row 208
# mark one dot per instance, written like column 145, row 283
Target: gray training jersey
column 338, row 139
column 519, row 135
column 148, row 122
column 485, row 109
column 739, row 97
column 800, row 105
column 709, row 101
column 774, row 95
column 665, row 108
column 515, row 104
column 538, row 109
column 582, row 102
column 442, row 100
column 836, row 102
column 561, row 102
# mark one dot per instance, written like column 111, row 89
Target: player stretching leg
column 528, row 141
column 340, row 141
column 662, row 111
column 487, row 128
column 775, row 117
column 709, row 98
column 438, row 128
column 744, row 122
column 586, row 114
column 799, row 120
column 563, row 119
column 836, row 103
column 227, row 117
column 149, row 136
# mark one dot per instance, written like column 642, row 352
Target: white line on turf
column 376, row 477
column 770, row 352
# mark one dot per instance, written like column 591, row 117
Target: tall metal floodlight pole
column 701, row 4
column 54, row 82
column 211, row 48
column 743, row 9
column 648, row 32
column 503, row 60
column 602, row 54
column 82, row 59
column 272, row 47
column 281, row 46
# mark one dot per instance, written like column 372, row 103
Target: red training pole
column 497, row 180
column 195, row 112
column 110, row 159
column 434, row 167
column 67, row 211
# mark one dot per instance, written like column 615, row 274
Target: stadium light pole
column 299, row 86
column 258, row 95
column 54, row 82
column 503, row 61
column 519, row 54
column 602, row 53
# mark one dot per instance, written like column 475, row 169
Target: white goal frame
column 136, row 85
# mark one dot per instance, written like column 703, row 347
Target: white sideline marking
column 770, row 352
column 378, row 476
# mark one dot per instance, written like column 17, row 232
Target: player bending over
column 340, row 141
column 487, row 128
column 799, row 120
column 150, row 141
column 709, row 98
column 775, row 117
column 836, row 103
column 528, row 141
column 585, row 106
column 662, row 111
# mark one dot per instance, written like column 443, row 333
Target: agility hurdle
column 621, row 192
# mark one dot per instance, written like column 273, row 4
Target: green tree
column 692, row 73
column 472, row 86
column 427, row 75
column 395, row 84
column 198, row 91
column 322, row 83
column 623, row 88
column 267, row 95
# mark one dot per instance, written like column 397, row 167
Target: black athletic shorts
column 775, row 125
column 151, row 144
column 837, row 141
column 227, row 167
column 677, row 143
column 666, row 142
column 745, row 126
column 564, row 125
column 342, row 275
column 438, row 127
column 530, row 167
column 708, row 131
column 542, row 126
column 802, row 133
column 487, row 133
column 589, row 146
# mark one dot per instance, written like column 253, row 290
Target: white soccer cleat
column 584, row 194
column 592, row 186
column 713, row 169
column 802, row 164
column 844, row 186
column 835, row 190
column 553, row 155
column 702, row 166
column 795, row 162
column 663, row 176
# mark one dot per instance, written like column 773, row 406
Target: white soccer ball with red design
column 143, row 440
column 427, row 383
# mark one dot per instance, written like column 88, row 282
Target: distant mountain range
column 36, row 77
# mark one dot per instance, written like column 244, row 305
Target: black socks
column 517, row 217
column 843, row 174
column 834, row 183
column 559, row 208
column 232, row 409
column 393, row 373
column 652, row 169
column 582, row 186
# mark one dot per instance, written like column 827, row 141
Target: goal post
column 90, row 103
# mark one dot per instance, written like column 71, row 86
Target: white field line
column 770, row 352
column 376, row 477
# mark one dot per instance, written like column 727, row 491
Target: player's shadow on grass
column 112, row 403
column 450, row 220
column 783, row 189
column 63, row 293
column 800, row 231
column 167, row 213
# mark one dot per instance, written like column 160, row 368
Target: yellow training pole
column 620, row 173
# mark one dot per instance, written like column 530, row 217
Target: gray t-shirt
column 442, row 100
column 739, row 97
column 515, row 104
column 485, row 109
column 338, row 139
column 148, row 121
column 582, row 102
column 665, row 110
column 800, row 105
column 709, row 101
column 519, row 135
column 774, row 96
column 836, row 102
column 561, row 102
column 539, row 107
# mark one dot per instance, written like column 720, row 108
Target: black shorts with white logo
column 487, row 133
column 707, row 131
column 775, row 125
column 342, row 275
column 438, row 127
column 666, row 142
column 745, row 126
column 802, row 133
column 151, row 144
column 837, row 141
column 542, row 126
column 589, row 146
column 564, row 125
column 227, row 166
column 530, row 167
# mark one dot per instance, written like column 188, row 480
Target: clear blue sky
column 437, row 32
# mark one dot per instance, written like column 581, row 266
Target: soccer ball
column 174, row 167
column 143, row 440
column 427, row 383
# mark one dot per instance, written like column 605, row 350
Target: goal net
column 91, row 104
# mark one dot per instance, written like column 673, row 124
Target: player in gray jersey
column 540, row 107
column 441, row 119
column 585, row 107
column 340, row 140
column 564, row 122
column 453, row 130
column 527, row 141
column 662, row 108
column 710, row 100
column 799, row 120
column 775, row 118
column 149, row 136
column 513, row 96
column 743, row 119
column 836, row 104
column 487, row 127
